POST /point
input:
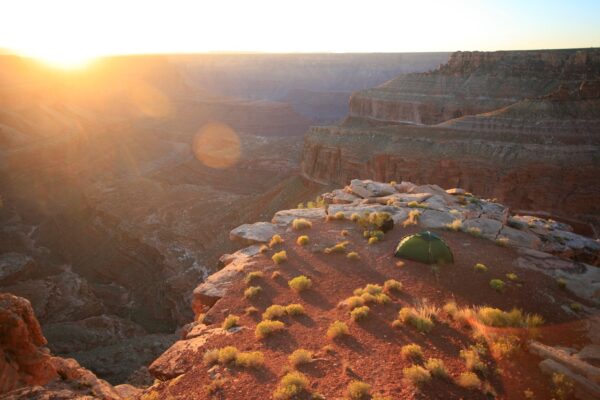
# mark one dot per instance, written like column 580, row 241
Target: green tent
column 425, row 247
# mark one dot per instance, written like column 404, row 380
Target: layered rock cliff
column 509, row 125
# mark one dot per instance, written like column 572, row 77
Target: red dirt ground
column 372, row 351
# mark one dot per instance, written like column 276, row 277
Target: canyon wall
column 509, row 125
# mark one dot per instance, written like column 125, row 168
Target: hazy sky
column 74, row 30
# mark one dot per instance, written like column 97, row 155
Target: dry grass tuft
column 252, row 276
column 337, row 329
column 300, row 283
column 359, row 313
column 295, row 309
column 468, row 380
column 358, row 390
column 291, row 386
column 275, row 240
column 268, row 327
column 413, row 218
column 455, row 225
column 436, row 368
column 230, row 322
column 279, row 257
column 416, row 375
column 252, row 292
column 300, row 357
column 412, row 352
column 479, row 267
column 392, row 285
column 301, row 223
column 273, row 312
column 337, row 248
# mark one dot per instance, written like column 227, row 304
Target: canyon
column 524, row 120
column 109, row 218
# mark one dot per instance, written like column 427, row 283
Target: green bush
column 497, row 284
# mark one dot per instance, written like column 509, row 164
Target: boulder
column 216, row 285
column 405, row 187
column 24, row 361
column 584, row 389
column 180, row 357
column 285, row 217
column 489, row 227
column 369, row 188
column 339, row 196
column 434, row 219
column 575, row 364
column 494, row 211
column 521, row 238
column 248, row 234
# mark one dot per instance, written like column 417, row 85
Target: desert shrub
column 479, row 267
column 382, row 298
column 577, row 307
column 279, row 257
column 300, row 283
column 354, row 301
column 512, row 276
column 503, row 346
column 368, row 298
column 562, row 386
column 211, row 357
column 412, row 352
column 302, row 240
column 301, row 223
column 339, row 215
column 273, row 312
column 213, row 387
column 370, row 288
column 473, row 231
column 230, row 322
column 455, row 225
column 373, row 240
column 379, row 218
column 252, row 292
column 344, row 232
column 468, row 380
column 268, row 327
column 355, row 217
column 400, row 264
column 252, row 276
column 337, row 248
column 562, row 283
column 337, row 329
column 352, row 255
column 300, row 356
column 416, row 375
column 358, row 390
column 250, row 359
column 414, row 204
column 497, row 284
column 421, row 320
column 264, row 248
column 377, row 234
column 291, row 386
column 392, row 285
column 251, row 310
column 413, row 218
column 276, row 275
column 502, row 241
column 295, row 309
column 460, row 315
column 472, row 360
column 436, row 368
column 275, row 240
column 514, row 318
column 359, row 313
column 227, row 354
column 454, row 211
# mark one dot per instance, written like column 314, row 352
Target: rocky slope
column 534, row 257
column 508, row 125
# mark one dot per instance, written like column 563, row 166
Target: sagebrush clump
column 300, row 283
column 267, row 328
column 279, row 257
column 337, row 329
column 301, row 223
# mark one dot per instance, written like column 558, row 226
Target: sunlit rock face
column 523, row 127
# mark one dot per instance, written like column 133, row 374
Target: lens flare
column 217, row 145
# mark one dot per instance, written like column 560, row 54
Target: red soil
column 372, row 350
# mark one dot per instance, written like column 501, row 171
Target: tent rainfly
column 425, row 247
